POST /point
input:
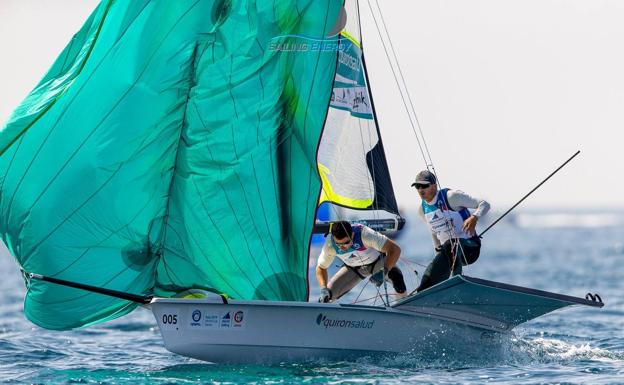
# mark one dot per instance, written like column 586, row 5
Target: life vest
column 442, row 220
column 358, row 254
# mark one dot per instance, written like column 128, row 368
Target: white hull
column 291, row 331
column 457, row 314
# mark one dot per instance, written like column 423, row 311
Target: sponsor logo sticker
column 341, row 323
column 239, row 318
column 226, row 320
column 196, row 317
column 206, row 318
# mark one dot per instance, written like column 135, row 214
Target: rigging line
column 397, row 83
column 429, row 160
column 381, row 296
column 358, row 296
column 376, row 296
column 359, row 19
column 454, row 255
column 383, row 23
column 374, row 125
column 364, row 300
column 408, row 261
column 529, row 193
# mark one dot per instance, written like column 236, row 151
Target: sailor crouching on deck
column 362, row 251
column 452, row 228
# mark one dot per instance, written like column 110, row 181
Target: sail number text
column 170, row 319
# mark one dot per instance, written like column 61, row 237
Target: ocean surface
column 565, row 252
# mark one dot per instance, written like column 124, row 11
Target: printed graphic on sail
column 351, row 159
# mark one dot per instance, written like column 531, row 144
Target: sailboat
column 173, row 157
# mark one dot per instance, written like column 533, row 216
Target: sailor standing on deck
column 452, row 227
column 362, row 250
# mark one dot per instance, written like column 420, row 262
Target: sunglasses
column 422, row 186
column 348, row 241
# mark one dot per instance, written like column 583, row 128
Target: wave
column 549, row 350
column 500, row 351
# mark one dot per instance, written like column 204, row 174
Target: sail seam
column 231, row 208
column 227, row 245
column 184, row 257
column 21, row 135
column 81, row 146
column 67, row 52
column 269, row 232
column 6, row 173
column 36, row 119
column 162, row 237
column 245, row 239
column 255, row 226
column 47, row 108
column 266, row 222
column 233, row 106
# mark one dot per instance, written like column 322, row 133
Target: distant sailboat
column 172, row 150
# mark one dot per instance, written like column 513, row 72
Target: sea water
column 565, row 252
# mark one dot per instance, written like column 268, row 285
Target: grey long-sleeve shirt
column 458, row 200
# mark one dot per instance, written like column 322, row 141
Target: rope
column 374, row 298
column 358, row 296
column 396, row 80
column 409, row 98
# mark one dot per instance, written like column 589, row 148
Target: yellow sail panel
column 329, row 195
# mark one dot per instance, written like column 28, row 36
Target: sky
column 505, row 91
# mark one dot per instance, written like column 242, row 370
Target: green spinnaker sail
column 172, row 145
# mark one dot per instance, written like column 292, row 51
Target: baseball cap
column 424, row 177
